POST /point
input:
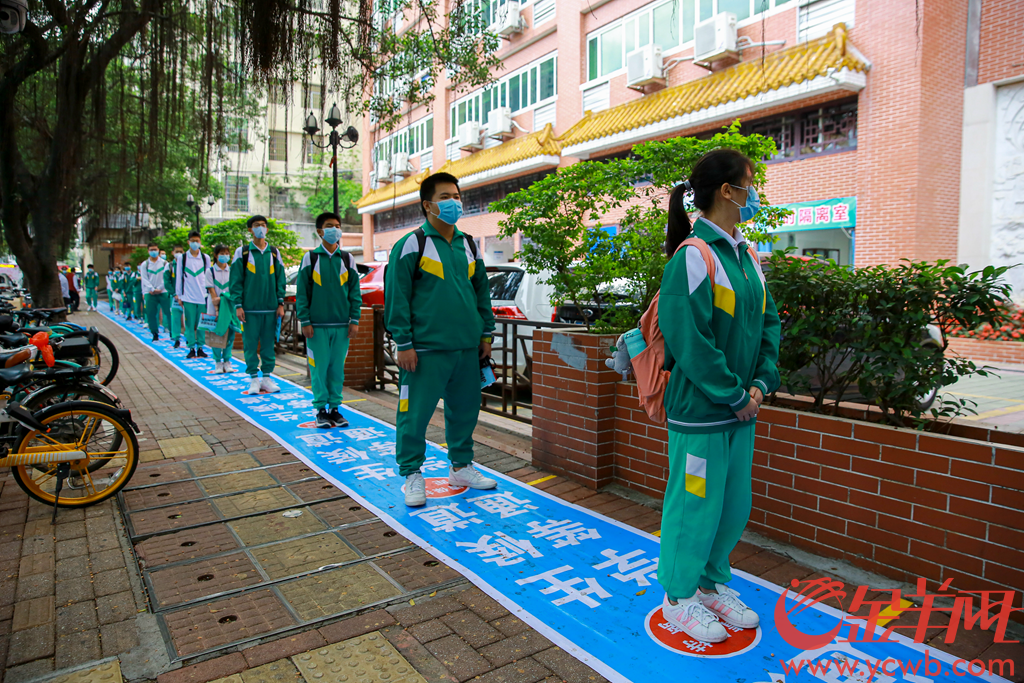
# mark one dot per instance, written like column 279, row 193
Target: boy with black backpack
column 437, row 303
column 327, row 302
column 257, row 289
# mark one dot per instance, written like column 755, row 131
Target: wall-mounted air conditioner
column 383, row 171
column 499, row 122
column 715, row 38
column 400, row 165
column 401, row 90
column 469, row 136
column 644, row 66
column 509, row 21
column 373, row 180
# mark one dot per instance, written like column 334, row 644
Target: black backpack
column 346, row 258
column 245, row 258
column 421, row 244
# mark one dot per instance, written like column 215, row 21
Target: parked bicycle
column 80, row 345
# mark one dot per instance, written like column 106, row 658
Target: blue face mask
column 332, row 235
column 223, row 258
column 194, row 246
column 753, row 205
column 449, row 211
column 153, row 253
column 259, row 232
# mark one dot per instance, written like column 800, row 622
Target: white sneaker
column 269, row 385
column 254, row 386
column 225, row 367
column 694, row 619
column 728, row 607
column 468, row 476
column 415, row 490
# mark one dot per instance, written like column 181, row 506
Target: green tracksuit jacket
column 261, row 289
column 448, row 306
column 91, row 280
column 327, row 294
column 719, row 341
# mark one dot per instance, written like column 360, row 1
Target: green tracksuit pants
column 259, row 332
column 126, row 302
column 155, row 303
column 707, row 504
column 326, row 352
column 220, row 355
column 453, row 376
column 193, row 335
column 91, row 298
column 175, row 322
column 137, row 304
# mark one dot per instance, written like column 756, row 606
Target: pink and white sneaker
column 694, row 619
column 728, row 607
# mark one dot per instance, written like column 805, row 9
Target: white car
column 518, row 294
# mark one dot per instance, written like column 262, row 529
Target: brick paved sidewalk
column 73, row 594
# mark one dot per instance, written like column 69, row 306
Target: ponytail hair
column 714, row 169
column 679, row 227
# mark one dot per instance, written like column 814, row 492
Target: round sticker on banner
column 307, row 425
column 673, row 638
column 437, row 487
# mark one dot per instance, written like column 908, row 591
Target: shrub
column 861, row 333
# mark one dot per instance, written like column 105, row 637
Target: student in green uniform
column 170, row 278
column 721, row 345
column 438, row 309
column 152, row 273
column 114, row 290
column 128, row 290
column 92, row 282
column 257, row 290
column 190, row 290
column 327, row 302
column 218, row 284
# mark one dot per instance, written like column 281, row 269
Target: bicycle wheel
column 84, row 426
column 104, row 355
column 62, row 393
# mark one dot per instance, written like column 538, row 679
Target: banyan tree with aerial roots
column 119, row 107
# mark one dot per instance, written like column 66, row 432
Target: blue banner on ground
column 585, row 581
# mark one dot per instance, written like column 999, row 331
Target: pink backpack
column 649, row 364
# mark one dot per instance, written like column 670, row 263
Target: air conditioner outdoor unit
column 469, row 136
column 644, row 66
column 400, row 164
column 499, row 122
column 715, row 38
column 383, row 172
column 401, row 90
column 508, row 21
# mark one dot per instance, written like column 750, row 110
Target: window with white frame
column 236, row 134
column 533, row 85
column 313, row 98
column 277, row 146
column 415, row 139
column 236, row 193
column 492, row 10
column 665, row 23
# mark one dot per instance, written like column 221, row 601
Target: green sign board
column 825, row 214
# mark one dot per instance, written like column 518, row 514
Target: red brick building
column 865, row 98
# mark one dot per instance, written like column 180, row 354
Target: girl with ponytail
column 721, row 346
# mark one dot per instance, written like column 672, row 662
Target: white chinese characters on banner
column 447, row 518
column 364, row 434
column 562, row 533
column 375, row 472
column 341, row 456
column 568, row 586
column 627, row 570
column 501, row 549
column 503, row 504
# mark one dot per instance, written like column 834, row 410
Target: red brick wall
column 359, row 364
column 893, row 501
column 987, row 351
column 1002, row 50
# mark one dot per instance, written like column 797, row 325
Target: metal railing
column 291, row 340
column 512, row 352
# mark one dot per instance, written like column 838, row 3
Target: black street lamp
column 351, row 136
column 198, row 207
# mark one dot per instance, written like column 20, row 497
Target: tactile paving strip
column 254, row 501
column 366, row 659
column 337, row 590
column 276, row 527
column 182, row 446
column 174, row 492
column 104, row 673
column 239, row 481
column 226, row 621
column 374, row 538
column 222, row 464
column 303, row 555
column 294, row 472
column 199, row 579
column 344, row 511
column 173, row 517
column 416, row 569
column 185, row 545
column 281, row 671
column 312, row 491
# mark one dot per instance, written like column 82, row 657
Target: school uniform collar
column 720, row 234
column 321, row 250
column 431, row 231
column 252, row 245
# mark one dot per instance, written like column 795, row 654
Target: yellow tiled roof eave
column 539, row 143
column 782, row 68
column 393, row 190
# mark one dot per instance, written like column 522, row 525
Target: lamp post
column 351, row 136
column 198, row 207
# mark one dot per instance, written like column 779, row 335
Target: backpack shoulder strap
column 245, row 260
column 421, row 246
column 472, row 244
column 705, row 252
